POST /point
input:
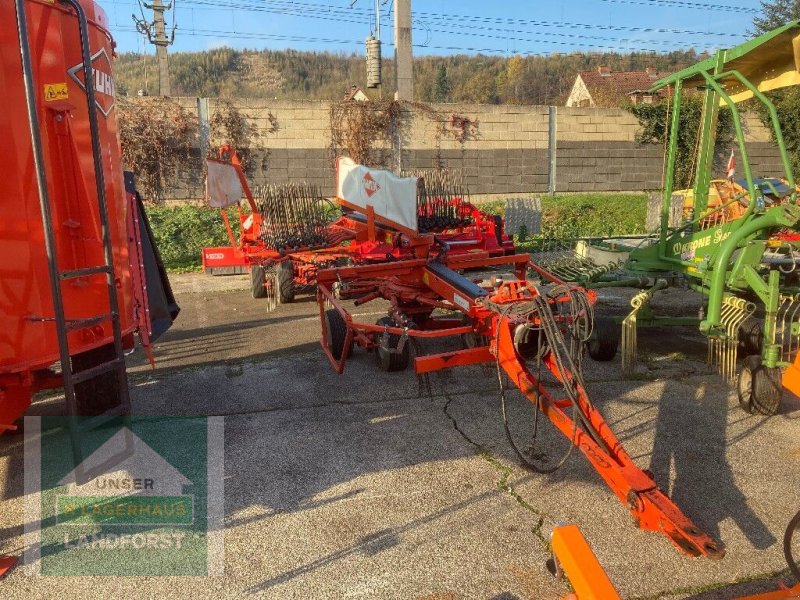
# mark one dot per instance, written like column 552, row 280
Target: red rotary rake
column 291, row 232
column 530, row 329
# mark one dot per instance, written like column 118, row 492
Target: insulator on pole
column 373, row 62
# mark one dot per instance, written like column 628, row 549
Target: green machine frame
column 746, row 273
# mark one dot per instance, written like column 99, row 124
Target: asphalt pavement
column 375, row 485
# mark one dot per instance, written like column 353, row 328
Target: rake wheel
column 257, row 280
column 759, row 387
column 603, row 344
column 284, row 282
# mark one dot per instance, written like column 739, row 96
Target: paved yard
column 365, row 485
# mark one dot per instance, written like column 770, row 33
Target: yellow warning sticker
column 55, row 91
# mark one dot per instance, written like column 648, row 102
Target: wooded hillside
column 289, row 74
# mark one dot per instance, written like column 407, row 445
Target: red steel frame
column 373, row 240
column 411, row 289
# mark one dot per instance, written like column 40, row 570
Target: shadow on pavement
column 692, row 441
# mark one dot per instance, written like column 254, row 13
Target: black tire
column 337, row 333
column 257, row 279
column 751, row 334
column 530, row 342
column 284, row 272
column 498, row 229
column 791, row 560
column 99, row 394
column 603, row 344
column 759, row 387
column 391, row 361
column 473, row 340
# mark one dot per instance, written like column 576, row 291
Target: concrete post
column 403, row 61
column 204, row 126
column 552, row 150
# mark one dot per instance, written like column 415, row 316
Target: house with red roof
column 604, row 88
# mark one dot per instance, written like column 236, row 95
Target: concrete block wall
column 508, row 155
column 595, row 149
column 298, row 149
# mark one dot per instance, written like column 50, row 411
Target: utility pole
column 156, row 33
column 404, row 66
column 161, row 42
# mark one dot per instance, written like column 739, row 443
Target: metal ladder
column 64, row 325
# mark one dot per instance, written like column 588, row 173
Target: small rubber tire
column 751, row 335
column 759, row 387
column 604, row 343
column 257, row 279
column 336, row 329
column 529, row 342
column 473, row 340
column 284, row 282
column 391, row 361
column 794, row 526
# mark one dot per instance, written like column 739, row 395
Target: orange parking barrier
column 576, row 559
column 782, row 594
column 791, row 377
column 7, row 562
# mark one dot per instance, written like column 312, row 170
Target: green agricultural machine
column 735, row 241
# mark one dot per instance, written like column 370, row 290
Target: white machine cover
column 392, row 197
column 223, row 187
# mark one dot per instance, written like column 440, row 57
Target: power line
column 302, row 10
column 214, row 33
column 687, row 4
column 453, row 20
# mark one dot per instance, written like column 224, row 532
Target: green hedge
column 587, row 215
column 182, row 232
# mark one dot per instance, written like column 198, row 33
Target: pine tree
column 776, row 13
column 441, row 87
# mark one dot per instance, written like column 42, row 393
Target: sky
column 442, row 27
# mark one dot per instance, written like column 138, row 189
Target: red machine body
column 29, row 341
column 26, row 341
